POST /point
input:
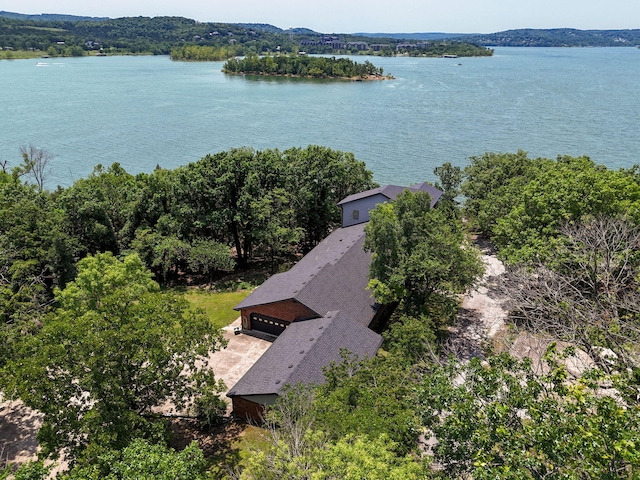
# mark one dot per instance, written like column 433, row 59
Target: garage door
column 267, row 324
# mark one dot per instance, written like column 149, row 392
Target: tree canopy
column 419, row 255
column 522, row 202
column 113, row 350
column 500, row 419
column 303, row 66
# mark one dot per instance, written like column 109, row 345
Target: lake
column 148, row 111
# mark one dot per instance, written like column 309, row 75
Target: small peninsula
column 304, row 67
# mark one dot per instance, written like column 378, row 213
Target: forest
column 94, row 336
column 183, row 38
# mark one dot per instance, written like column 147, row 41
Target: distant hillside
column 558, row 37
column 55, row 17
column 414, row 36
column 190, row 39
column 265, row 27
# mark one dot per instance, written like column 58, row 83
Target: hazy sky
column 345, row 16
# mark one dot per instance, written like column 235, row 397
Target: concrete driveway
column 231, row 363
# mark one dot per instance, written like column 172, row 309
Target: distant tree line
column 302, row 66
column 203, row 53
column 183, row 38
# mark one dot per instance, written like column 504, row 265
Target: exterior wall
column 252, row 408
column 363, row 206
column 287, row 310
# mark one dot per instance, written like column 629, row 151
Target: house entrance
column 267, row 324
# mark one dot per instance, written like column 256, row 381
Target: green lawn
column 240, row 444
column 217, row 305
column 20, row 54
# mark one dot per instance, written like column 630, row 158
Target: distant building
column 357, row 46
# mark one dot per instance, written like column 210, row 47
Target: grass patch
column 217, row 305
column 230, row 455
column 20, row 54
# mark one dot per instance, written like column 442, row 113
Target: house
column 357, row 46
column 355, row 208
column 315, row 310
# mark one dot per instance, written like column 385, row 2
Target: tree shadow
column 466, row 338
column 18, row 428
column 219, row 445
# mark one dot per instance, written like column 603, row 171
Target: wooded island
column 303, row 66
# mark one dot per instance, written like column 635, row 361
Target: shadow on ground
column 219, row 445
column 18, row 427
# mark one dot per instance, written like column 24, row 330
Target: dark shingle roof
column 332, row 276
column 299, row 354
column 392, row 191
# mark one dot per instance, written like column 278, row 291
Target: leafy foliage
column 492, row 184
column 522, row 203
column 498, row 419
column 27, row 471
column 113, row 350
column 370, row 397
column 302, row 445
column 142, row 460
column 569, row 190
column 302, row 66
column 35, row 254
column 99, row 208
column 350, row 458
column 420, row 255
column 202, row 53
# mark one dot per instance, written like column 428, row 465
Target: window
column 356, row 214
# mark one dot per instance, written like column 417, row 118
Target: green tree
column 450, row 180
column 302, row 445
column 568, row 190
column 498, row 419
column 169, row 255
column 35, row 254
column 277, row 232
column 492, row 185
column 370, row 397
column 419, row 255
column 142, row 460
column 208, row 256
column 98, row 209
column 318, row 178
column 27, row 471
column 350, row 458
column 521, row 203
column 224, row 189
column 114, row 349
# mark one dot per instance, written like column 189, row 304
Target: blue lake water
column 148, row 111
